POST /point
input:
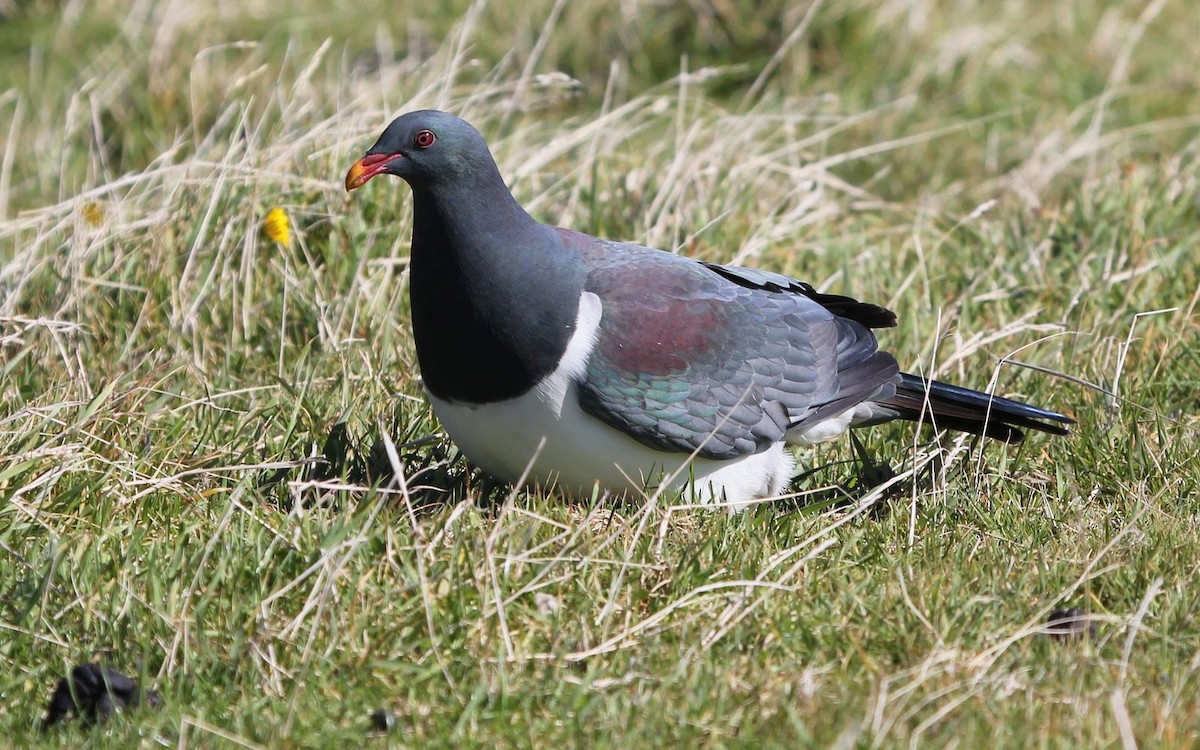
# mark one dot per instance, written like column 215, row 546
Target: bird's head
column 423, row 148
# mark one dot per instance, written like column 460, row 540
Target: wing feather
column 723, row 361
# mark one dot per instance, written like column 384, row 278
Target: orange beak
column 367, row 167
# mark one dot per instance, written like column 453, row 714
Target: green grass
column 1019, row 181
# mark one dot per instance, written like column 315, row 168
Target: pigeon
column 557, row 359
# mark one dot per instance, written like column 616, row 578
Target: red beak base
column 367, row 167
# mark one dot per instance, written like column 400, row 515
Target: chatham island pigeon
column 559, row 359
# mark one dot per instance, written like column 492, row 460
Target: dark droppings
column 94, row 693
column 383, row 720
column 1069, row 624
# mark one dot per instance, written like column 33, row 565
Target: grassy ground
column 1020, row 181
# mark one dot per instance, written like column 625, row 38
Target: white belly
column 545, row 438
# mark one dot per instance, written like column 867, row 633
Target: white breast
column 546, row 438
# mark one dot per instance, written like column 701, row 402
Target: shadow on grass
column 436, row 475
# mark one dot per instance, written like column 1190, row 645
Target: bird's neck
column 494, row 293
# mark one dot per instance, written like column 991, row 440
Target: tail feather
column 953, row 407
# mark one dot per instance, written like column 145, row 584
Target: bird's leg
column 492, row 492
column 871, row 473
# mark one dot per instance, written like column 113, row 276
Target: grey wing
column 688, row 359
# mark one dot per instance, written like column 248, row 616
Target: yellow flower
column 278, row 227
column 93, row 213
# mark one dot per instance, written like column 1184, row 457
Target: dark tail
column 952, row 407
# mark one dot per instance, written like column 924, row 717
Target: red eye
column 424, row 139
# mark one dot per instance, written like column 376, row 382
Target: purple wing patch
column 687, row 358
column 667, row 321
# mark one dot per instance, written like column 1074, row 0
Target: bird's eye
column 424, row 139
